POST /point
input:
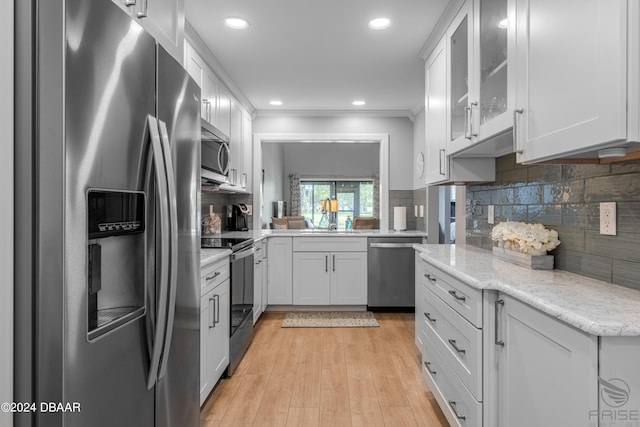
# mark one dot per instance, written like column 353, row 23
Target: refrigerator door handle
column 163, row 202
column 173, row 239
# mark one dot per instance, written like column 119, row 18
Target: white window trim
column 324, row 138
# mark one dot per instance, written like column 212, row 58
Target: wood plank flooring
column 326, row 377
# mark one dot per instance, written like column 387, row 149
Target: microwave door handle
column 224, row 168
column 163, row 202
column 173, row 239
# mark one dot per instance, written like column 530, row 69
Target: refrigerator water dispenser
column 116, row 270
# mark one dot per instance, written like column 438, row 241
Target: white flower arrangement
column 532, row 239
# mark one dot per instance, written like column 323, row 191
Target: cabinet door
column 437, row 164
column 265, row 279
column 219, row 332
column 257, row 287
column 236, row 146
column 165, row 21
column 311, row 278
column 223, row 117
column 571, row 68
column 494, row 41
column 205, row 322
column 210, row 91
column 247, row 143
column 348, row 278
column 280, row 279
column 460, row 82
column 548, row 370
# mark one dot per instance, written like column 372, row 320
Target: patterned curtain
column 294, row 195
column 376, row 196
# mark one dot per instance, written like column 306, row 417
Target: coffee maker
column 238, row 221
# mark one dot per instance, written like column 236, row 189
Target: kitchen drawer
column 463, row 298
column 329, row 244
column 211, row 275
column 458, row 341
column 458, row 405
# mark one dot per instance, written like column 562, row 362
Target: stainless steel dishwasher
column 391, row 272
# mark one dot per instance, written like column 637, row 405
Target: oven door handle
column 242, row 254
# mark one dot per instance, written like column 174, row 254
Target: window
column 355, row 198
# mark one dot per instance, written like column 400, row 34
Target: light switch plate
column 415, row 210
column 421, row 211
column 491, row 216
column 608, row 218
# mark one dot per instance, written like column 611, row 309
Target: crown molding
column 441, row 27
column 335, row 113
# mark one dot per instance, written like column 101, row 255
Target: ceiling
column 321, row 55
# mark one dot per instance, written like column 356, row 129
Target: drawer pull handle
column 496, row 308
column 456, row 348
column 452, row 403
column 428, row 316
column 210, row 278
column 430, row 278
column 428, row 366
column 456, row 296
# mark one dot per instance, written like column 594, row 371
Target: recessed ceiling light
column 358, row 103
column 275, row 102
column 236, row 23
column 504, row 24
column 379, row 24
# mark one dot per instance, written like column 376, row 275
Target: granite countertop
column 343, row 233
column 207, row 256
column 593, row 306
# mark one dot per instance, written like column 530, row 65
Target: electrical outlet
column 421, row 211
column 608, row 218
column 415, row 210
column 249, row 210
column 491, row 216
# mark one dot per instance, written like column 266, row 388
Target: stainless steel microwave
column 215, row 154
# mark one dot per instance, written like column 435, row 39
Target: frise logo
column 614, row 392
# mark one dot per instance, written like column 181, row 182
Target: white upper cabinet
column 163, row 19
column 459, row 38
column 246, row 178
column 572, row 76
column 494, row 83
column 437, row 165
column 481, row 84
column 455, row 116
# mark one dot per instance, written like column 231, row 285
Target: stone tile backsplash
column 408, row 199
column 220, row 201
column 566, row 198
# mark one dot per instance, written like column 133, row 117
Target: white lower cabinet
column 330, row 278
column 214, row 336
column 452, row 343
column 280, row 271
column 547, row 370
column 505, row 363
column 329, row 271
column 257, row 281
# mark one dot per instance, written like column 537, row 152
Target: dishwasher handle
column 392, row 245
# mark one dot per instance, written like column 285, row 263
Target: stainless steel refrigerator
column 107, row 307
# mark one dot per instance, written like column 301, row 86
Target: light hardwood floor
column 326, row 377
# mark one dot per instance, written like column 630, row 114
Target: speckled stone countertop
column 261, row 234
column 596, row 307
column 207, row 256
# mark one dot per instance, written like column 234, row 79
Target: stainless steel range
column 241, row 311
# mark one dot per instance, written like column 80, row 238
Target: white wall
column 400, row 130
column 274, row 179
column 349, row 160
column 6, row 213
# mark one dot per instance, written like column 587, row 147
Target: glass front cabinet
column 481, row 89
